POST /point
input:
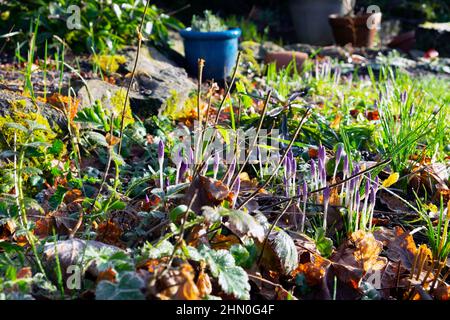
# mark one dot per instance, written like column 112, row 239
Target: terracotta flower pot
column 283, row 58
column 355, row 30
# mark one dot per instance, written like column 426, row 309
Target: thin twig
column 133, row 73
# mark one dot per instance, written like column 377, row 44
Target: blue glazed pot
column 218, row 49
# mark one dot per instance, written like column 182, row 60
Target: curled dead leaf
column 204, row 284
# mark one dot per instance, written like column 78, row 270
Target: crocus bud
column 404, row 96
column 339, row 152
column 367, row 188
column 191, row 157
column 313, row 168
column 372, row 197
column 326, row 198
column 182, row 172
column 323, row 175
column 236, row 189
column 305, row 191
column 346, row 165
column 352, row 185
column 216, row 164
column 376, row 184
column 326, row 194
column 293, row 168
column 147, row 200
column 231, row 171
column 286, row 184
column 322, row 154
column 357, row 200
column 161, row 151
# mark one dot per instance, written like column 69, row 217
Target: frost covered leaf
column 211, row 214
column 280, row 253
column 128, row 287
column 241, row 223
column 164, row 249
column 232, row 279
column 97, row 138
column 78, row 252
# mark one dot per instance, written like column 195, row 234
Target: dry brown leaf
column 313, row 271
column 110, row 232
column 442, row 292
column 209, row 192
column 108, row 275
column 204, row 284
column 356, row 257
column 23, row 273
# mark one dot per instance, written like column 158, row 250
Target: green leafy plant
column 208, row 23
column 102, row 26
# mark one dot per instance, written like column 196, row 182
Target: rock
column 158, row 76
column 259, row 50
column 100, row 90
column 282, row 59
column 176, row 42
column 55, row 117
column 157, row 79
column 71, row 253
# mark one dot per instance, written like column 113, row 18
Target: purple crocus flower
column 293, row 169
column 167, row 182
column 322, row 154
column 287, row 185
column 376, row 184
column 313, row 171
column 404, row 96
column 352, row 185
column 179, row 160
column 231, row 171
column 305, row 198
column 313, row 168
column 236, row 189
column 147, row 200
column 161, row 163
column 346, row 165
column 357, row 203
column 216, row 164
column 191, row 157
column 367, row 188
column 305, row 191
column 326, row 199
column 372, row 198
column 182, row 171
column 339, row 152
column 161, row 150
column 323, row 175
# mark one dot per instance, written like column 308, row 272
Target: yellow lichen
column 117, row 102
column 109, row 63
column 20, row 115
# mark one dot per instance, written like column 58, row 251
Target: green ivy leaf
column 57, row 198
column 232, row 279
column 128, row 287
column 245, row 256
column 56, row 148
column 323, row 244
